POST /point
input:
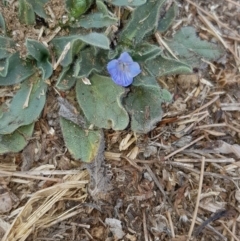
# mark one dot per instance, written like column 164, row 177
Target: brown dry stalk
column 145, row 226
column 171, row 224
column 198, row 199
column 6, row 173
column 183, row 148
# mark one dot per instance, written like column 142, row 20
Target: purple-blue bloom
column 123, row 69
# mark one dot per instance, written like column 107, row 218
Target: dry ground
column 179, row 181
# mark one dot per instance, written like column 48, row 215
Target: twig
column 211, row 160
column 233, row 230
column 30, row 176
column 233, row 2
column 80, row 225
column 133, row 163
column 63, row 54
column 198, row 198
column 170, row 223
column 183, row 148
column 25, row 105
column 145, row 226
column 161, row 42
column 207, row 104
column 211, row 16
column 155, row 179
column 229, row 231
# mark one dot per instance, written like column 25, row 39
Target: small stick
column 25, row 105
column 211, row 160
column 63, row 54
column 170, row 223
column 230, row 232
column 80, row 225
column 184, row 147
column 30, row 176
column 133, row 163
column 207, row 104
column 145, row 226
column 161, row 42
column 155, row 179
column 198, row 199
column 233, row 2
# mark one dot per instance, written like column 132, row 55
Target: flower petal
column 121, row 78
column 125, row 58
column 112, row 66
column 134, row 69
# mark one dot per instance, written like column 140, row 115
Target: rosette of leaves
column 83, row 56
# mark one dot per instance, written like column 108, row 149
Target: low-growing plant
column 113, row 72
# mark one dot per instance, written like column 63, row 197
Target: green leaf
column 126, row 2
column 160, row 66
column 90, row 62
column 166, row 21
column 143, row 104
column 144, row 20
column 17, row 70
column 75, row 46
column 82, row 144
column 6, row 47
column 2, row 24
column 25, row 106
column 26, row 12
column 191, row 49
column 96, row 39
column 77, row 42
column 145, row 51
column 95, row 20
column 66, row 80
column 78, row 7
column 17, row 140
column 101, row 103
column 38, row 7
column 40, row 53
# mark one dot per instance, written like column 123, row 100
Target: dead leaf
column 115, row 227
column 5, row 200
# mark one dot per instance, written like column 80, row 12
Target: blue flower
column 123, row 69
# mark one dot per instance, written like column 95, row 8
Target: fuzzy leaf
column 75, row 46
column 6, row 47
column 77, row 42
column 17, row 70
column 191, row 49
column 96, row 39
column 2, row 25
column 145, row 51
column 66, row 80
column 144, row 20
column 82, row 144
column 126, row 2
column 38, row 7
column 78, row 7
column 160, row 66
column 33, row 93
column 95, row 20
column 101, row 103
column 166, row 21
column 40, row 53
column 17, row 140
column 26, row 12
column 144, row 104
column 88, row 62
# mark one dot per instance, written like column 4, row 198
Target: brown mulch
column 179, row 182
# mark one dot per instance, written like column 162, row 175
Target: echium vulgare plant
column 111, row 61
